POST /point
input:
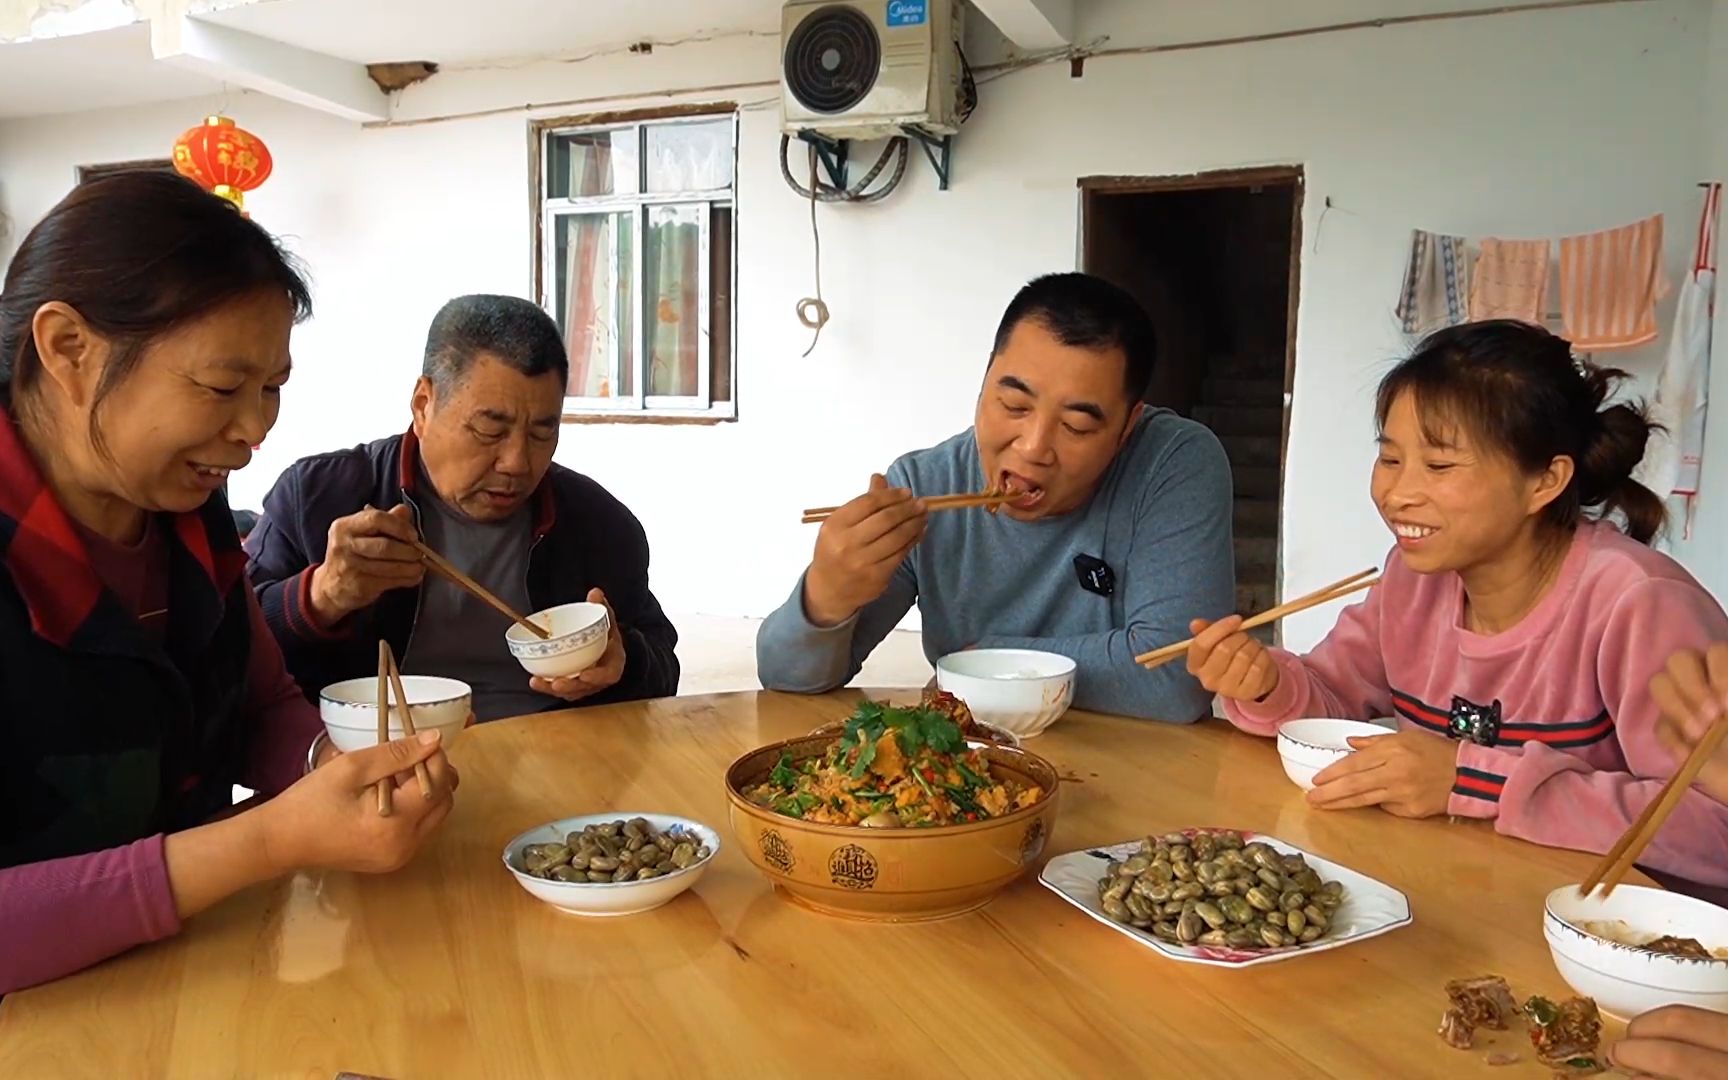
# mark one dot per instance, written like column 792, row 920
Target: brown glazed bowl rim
column 1015, row 758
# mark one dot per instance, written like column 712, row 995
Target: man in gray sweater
column 1120, row 538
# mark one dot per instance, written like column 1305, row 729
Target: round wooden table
column 449, row 969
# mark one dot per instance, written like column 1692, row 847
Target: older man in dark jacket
column 332, row 559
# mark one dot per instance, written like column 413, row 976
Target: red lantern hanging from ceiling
column 223, row 158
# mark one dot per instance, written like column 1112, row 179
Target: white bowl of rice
column 1022, row 691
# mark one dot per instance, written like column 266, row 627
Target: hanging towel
column 1436, row 283
column 1674, row 463
column 1510, row 280
column 1609, row 284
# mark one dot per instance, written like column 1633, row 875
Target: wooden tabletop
column 449, row 969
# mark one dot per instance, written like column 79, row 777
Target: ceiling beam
column 1031, row 24
column 313, row 79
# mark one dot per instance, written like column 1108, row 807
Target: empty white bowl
column 1624, row 979
column 608, row 897
column 350, row 709
column 1022, row 691
column 1308, row 746
column 578, row 640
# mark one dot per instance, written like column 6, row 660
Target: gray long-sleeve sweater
column 1160, row 519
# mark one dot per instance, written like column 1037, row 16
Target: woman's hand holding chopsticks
column 1229, row 662
column 1692, row 693
column 329, row 820
column 860, row 546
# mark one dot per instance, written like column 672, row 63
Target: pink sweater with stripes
column 1576, row 758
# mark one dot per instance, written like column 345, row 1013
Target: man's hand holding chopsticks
column 858, row 550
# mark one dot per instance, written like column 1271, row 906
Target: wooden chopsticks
column 389, row 676
column 1343, row 587
column 438, row 563
column 1632, row 842
column 991, row 497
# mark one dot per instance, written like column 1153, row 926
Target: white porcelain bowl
column 1625, row 980
column 1019, row 690
column 578, row 640
column 350, row 709
column 1308, row 746
column 608, row 898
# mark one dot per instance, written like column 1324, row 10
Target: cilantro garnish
column 914, row 729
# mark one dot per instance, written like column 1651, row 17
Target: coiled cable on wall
column 896, row 151
column 813, row 310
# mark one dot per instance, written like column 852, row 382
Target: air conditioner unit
column 866, row 69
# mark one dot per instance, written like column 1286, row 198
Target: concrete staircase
column 1242, row 401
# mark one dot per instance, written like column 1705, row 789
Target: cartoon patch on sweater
column 1475, row 723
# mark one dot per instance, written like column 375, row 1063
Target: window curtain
column 675, row 277
column 590, row 170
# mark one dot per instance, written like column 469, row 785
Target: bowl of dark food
column 902, row 815
column 1638, row 948
column 606, row 864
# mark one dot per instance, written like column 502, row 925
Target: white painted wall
column 1531, row 124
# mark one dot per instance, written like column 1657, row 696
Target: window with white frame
column 636, row 262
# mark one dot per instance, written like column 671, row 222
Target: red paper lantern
column 223, row 158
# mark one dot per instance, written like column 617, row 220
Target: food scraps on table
column 1566, row 1035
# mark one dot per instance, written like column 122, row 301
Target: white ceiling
column 114, row 67
column 459, row 32
column 100, row 70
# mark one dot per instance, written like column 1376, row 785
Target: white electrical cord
column 812, row 311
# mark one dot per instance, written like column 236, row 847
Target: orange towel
column 1510, row 280
column 1609, row 284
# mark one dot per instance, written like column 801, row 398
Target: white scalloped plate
column 1370, row 907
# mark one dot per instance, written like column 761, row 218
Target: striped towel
column 1436, row 283
column 1510, row 280
column 1609, row 284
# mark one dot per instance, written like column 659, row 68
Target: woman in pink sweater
column 1514, row 632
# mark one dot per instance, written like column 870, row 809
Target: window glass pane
column 672, row 276
column 690, row 157
column 591, row 163
column 720, row 304
column 594, row 303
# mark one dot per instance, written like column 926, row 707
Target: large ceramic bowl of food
column 1021, row 690
column 350, row 709
column 1638, row 949
column 610, row 864
column 900, row 817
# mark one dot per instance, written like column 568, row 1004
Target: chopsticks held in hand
column 389, row 676
column 1632, row 843
column 442, row 565
column 1344, row 587
column 990, row 498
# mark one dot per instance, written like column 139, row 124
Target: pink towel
column 1610, row 282
column 1510, row 280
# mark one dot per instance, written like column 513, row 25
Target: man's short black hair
column 514, row 330
column 1088, row 312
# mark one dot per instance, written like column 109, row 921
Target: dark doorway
column 1214, row 259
